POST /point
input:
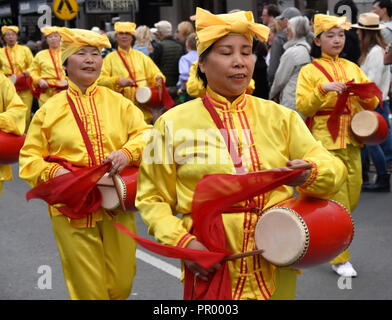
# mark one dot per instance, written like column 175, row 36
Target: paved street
column 28, row 252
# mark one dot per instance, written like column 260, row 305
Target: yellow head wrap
column 324, row 23
column 128, row 27
column 49, row 30
column 210, row 27
column 4, row 29
column 75, row 39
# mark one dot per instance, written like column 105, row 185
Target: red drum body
column 22, row 82
column 119, row 191
column 369, row 127
column 304, row 232
column 148, row 96
column 10, row 146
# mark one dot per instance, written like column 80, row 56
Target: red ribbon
column 362, row 90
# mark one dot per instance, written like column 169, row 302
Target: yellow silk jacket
column 195, row 87
column 20, row 56
column 12, row 117
column 141, row 66
column 178, row 156
column 311, row 98
column 112, row 123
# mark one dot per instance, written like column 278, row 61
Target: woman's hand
column 123, row 82
column 196, row 269
column 159, row 81
column 119, row 162
column 43, row 84
column 303, row 177
column 338, row 87
column 61, row 171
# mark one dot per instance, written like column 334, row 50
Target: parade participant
column 15, row 59
column 372, row 46
column 98, row 262
column 46, row 70
column 126, row 69
column 268, row 135
column 12, row 119
column 319, row 85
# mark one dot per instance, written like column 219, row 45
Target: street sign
column 65, row 9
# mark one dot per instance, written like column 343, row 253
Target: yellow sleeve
column 309, row 94
column 137, row 133
column 156, row 191
column 35, row 69
column 13, row 117
column 151, row 70
column 32, row 166
column 328, row 172
column 28, row 57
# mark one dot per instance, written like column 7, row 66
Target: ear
column 202, row 66
column 317, row 41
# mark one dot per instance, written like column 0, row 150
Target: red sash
column 131, row 74
column 362, row 90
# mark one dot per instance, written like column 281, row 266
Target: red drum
column 149, row 96
column 303, row 232
column 21, row 82
column 119, row 191
column 10, row 146
column 369, row 127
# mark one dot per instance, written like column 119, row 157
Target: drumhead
column 283, row 235
column 110, row 200
column 364, row 123
column 143, row 94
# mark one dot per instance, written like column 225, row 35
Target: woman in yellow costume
column 15, row 59
column 269, row 135
column 125, row 69
column 319, row 85
column 12, row 119
column 46, row 70
column 98, row 262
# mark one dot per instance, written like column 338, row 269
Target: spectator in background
column 185, row 64
column 351, row 50
column 372, row 46
column 143, row 38
column 295, row 56
column 383, row 8
column 260, row 75
column 184, row 29
column 280, row 39
column 167, row 55
column 270, row 12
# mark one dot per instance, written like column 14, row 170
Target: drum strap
column 126, row 65
column 7, row 53
column 58, row 77
column 362, row 90
column 83, row 132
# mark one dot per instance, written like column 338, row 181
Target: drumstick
column 140, row 80
column 243, row 255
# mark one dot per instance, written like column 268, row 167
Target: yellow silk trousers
column 99, row 263
column 286, row 284
column 27, row 98
column 350, row 191
column 1, row 186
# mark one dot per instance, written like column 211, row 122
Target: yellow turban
column 324, row 23
column 4, row 29
column 75, row 39
column 49, row 30
column 128, row 27
column 210, row 27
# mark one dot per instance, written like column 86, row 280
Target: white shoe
column 344, row 269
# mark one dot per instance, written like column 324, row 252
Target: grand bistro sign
column 110, row 6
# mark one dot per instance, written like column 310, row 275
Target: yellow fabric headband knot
column 4, row 29
column 75, row 39
column 49, row 30
column 127, row 27
column 210, row 27
column 324, row 23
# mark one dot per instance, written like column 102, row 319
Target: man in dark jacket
column 167, row 54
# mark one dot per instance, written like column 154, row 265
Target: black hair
column 202, row 75
column 272, row 10
column 385, row 4
column 315, row 50
column 349, row 3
